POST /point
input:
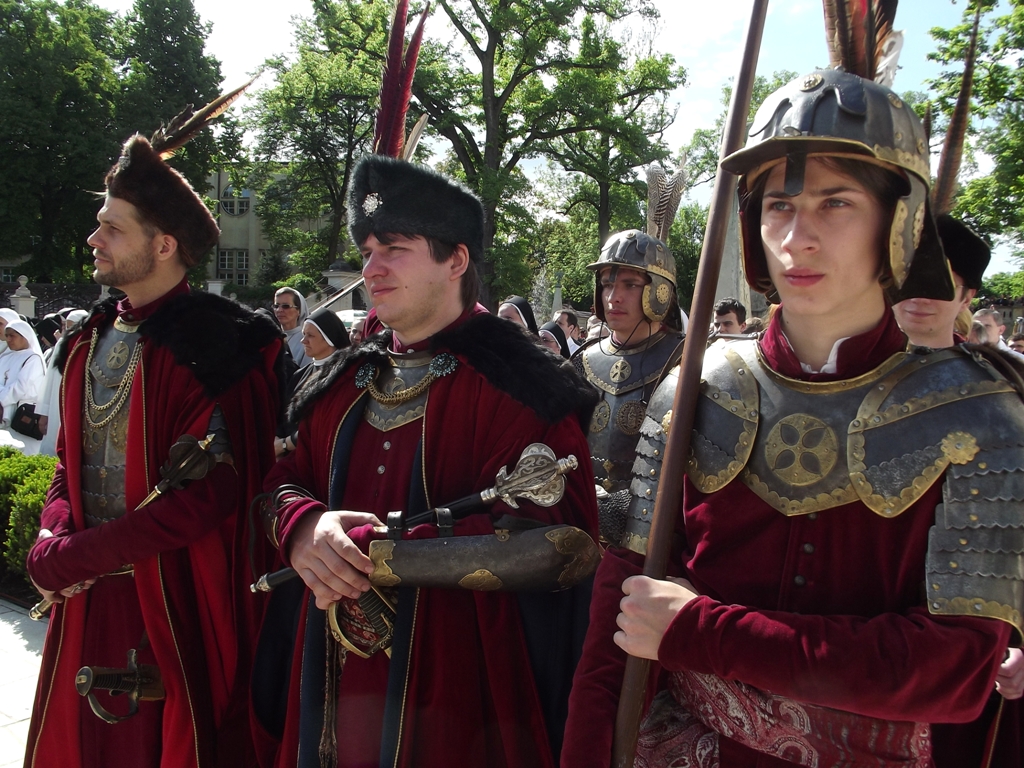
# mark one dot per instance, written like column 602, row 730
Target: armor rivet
column 983, row 465
column 753, row 414
column 630, row 235
column 715, row 396
column 895, row 101
column 973, row 518
column 380, row 470
column 953, row 564
column 905, row 409
column 877, row 419
column 657, row 431
column 963, row 542
column 935, row 587
column 978, row 607
column 856, row 422
column 898, row 136
column 935, row 606
column 734, row 409
column 963, row 390
column 647, row 493
column 657, row 452
column 653, row 473
column 975, row 491
column 643, row 511
column 740, row 371
column 888, row 511
column 881, row 387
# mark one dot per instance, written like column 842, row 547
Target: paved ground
column 21, row 642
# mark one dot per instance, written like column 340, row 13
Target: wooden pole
column 669, row 501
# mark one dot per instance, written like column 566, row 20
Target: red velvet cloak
column 471, row 699
column 188, row 547
column 824, row 608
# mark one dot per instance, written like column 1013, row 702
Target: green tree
column 310, row 127
column 626, row 102
column 57, row 96
column 165, row 68
column 520, row 93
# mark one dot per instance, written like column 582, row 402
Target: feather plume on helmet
column 389, row 194
column 849, row 112
column 647, row 251
column 162, row 195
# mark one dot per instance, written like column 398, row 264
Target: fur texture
column 499, row 350
column 412, row 199
column 219, row 339
column 164, row 198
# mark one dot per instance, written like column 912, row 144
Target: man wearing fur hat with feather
column 161, row 387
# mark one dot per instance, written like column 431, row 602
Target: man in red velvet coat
column 847, row 568
column 167, row 580
column 421, row 415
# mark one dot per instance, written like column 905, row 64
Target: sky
column 705, row 37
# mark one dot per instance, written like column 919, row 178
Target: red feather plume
column 856, row 31
column 396, row 88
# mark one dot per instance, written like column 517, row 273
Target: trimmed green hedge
column 24, row 481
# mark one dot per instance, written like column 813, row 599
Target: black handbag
column 26, row 421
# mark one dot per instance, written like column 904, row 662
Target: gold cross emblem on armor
column 801, row 449
column 117, row 356
column 620, row 371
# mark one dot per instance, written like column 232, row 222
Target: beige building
column 241, row 244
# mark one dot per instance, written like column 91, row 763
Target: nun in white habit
column 21, row 368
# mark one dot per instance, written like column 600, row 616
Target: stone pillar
column 216, row 287
column 22, row 300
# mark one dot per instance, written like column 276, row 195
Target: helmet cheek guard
column 831, row 113
column 637, row 250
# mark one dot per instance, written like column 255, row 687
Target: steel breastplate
column 625, row 378
column 404, row 372
column 104, row 447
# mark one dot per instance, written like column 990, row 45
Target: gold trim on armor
column 124, row 327
column 827, row 387
column 967, row 606
column 897, row 255
column 793, row 507
column 635, row 543
column 602, row 415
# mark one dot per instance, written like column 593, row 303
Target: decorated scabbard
column 549, row 558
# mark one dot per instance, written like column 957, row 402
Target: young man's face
column 570, row 331
column 822, row 245
column 622, row 291
column 995, row 330
column 727, row 323
column 929, row 322
column 123, row 250
column 410, row 291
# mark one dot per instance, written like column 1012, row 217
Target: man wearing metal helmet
column 831, row 475
column 635, row 296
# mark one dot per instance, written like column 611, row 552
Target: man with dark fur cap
column 420, row 415
column 931, row 322
column 145, row 378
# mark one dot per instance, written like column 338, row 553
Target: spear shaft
column 669, row 501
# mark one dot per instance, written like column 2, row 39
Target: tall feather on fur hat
column 163, row 196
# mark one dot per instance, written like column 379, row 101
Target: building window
column 7, row 275
column 233, row 266
column 235, row 205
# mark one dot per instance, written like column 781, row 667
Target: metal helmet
column 836, row 114
column 637, row 250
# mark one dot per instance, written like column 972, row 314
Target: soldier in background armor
column 848, row 559
column 635, row 296
column 145, row 378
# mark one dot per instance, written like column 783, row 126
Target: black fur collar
column 219, row 339
column 505, row 355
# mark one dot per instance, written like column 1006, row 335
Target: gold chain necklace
column 366, row 378
column 120, row 395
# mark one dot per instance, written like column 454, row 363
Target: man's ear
column 459, row 262
column 165, row 246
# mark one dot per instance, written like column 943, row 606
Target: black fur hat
column 968, row 254
column 395, row 197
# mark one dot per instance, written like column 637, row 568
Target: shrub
column 24, row 481
column 26, row 505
